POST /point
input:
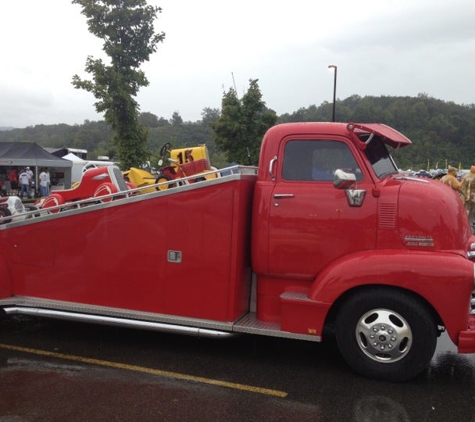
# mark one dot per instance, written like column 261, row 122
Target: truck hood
column 431, row 216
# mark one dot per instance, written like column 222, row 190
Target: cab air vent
column 387, row 216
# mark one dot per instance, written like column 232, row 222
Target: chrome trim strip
column 119, row 313
column 283, row 195
column 119, row 322
column 414, row 179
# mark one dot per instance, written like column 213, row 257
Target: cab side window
column 308, row 160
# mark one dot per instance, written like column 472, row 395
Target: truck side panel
column 180, row 253
column 5, row 281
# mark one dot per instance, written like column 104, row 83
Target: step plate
column 249, row 324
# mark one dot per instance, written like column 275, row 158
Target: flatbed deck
column 173, row 187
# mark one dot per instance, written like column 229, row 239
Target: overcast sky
column 381, row 47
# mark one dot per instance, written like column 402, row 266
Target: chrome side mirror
column 347, row 181
column 343, row 180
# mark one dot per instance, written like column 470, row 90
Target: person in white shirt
column 43, row 179
column 25, row 184
column 48, row 187
column 30, row 174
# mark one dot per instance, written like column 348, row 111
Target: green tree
column 209, row 115
column 148, row 119
column 242, row 124
column 176, row 119
column 126, row 26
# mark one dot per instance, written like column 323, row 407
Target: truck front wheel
column 386, row 334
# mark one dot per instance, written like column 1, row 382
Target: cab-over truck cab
column 342, row 239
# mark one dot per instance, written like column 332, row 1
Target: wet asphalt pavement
column 65, row 371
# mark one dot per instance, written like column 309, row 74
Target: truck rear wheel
column 386, row 334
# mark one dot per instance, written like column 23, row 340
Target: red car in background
column 95, row 183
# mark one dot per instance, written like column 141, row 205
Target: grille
column 119, row 179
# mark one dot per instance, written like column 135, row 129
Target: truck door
column 311, row 221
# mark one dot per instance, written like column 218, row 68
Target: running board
column 249, row 324
column 70, row 311
column 119, row 322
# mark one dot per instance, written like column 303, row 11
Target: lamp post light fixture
column 332, row 66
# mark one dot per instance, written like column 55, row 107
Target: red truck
column 324, row 239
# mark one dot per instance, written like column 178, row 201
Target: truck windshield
column 379, row 157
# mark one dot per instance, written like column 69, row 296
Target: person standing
column 48, row 187
column 468, row 189
column 25, row 184
column 450, row 179
column 43, row 180
column 30, row 175
column 13, row 177
column 32, row 181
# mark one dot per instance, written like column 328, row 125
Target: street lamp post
column 332, row 66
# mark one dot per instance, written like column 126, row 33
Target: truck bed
column 181, row 252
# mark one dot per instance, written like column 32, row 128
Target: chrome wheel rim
column 384, row 335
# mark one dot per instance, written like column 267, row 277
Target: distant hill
column 443, row 133
column 6, row 128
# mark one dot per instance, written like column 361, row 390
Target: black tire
column 163, row 179
column 5, row 212
column 386, row 334
column 31, row 208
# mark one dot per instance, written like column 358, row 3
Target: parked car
column 12, row 206
column 423, row 173
column 140, row 178
column 438, row 174
column 95, row 183
column 184, row 162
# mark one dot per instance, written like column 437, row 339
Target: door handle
column 271, row 167
column 283, row 195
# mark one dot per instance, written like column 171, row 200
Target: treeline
column 443, row 133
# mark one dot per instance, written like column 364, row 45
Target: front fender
column 444, row 280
